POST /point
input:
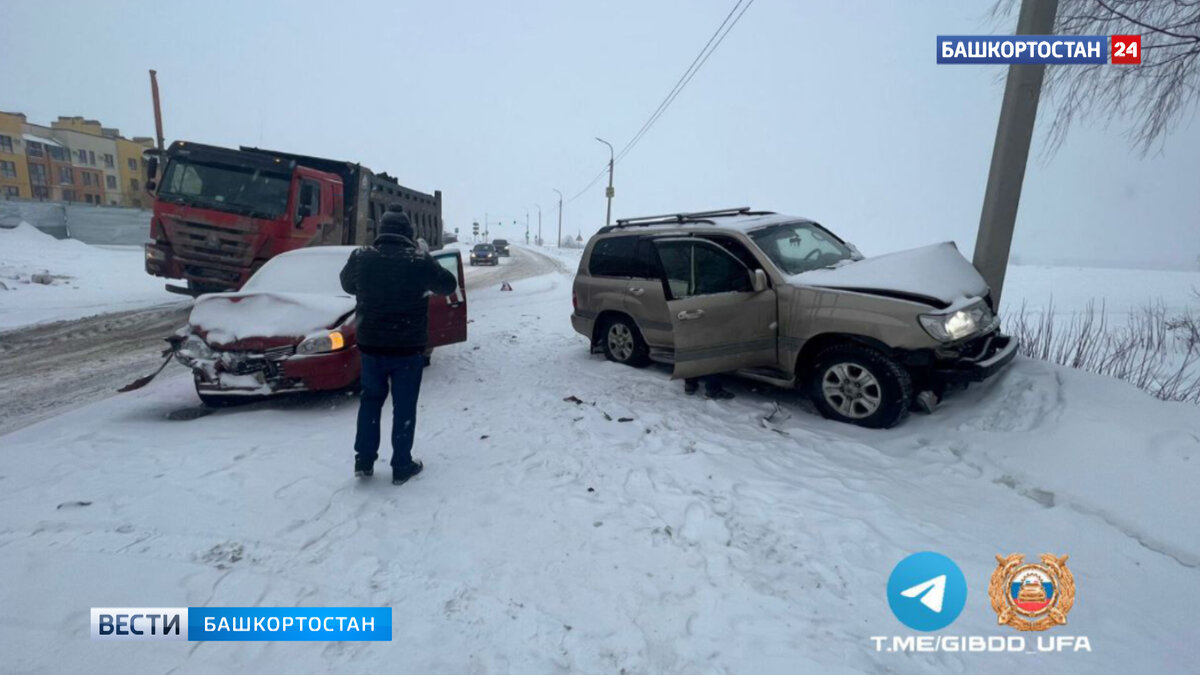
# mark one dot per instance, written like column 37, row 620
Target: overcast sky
column 832, row 110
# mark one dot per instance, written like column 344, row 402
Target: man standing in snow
column 392, row 280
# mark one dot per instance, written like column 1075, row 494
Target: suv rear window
column 614, row 257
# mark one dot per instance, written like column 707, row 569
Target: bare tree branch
column 1149, row 99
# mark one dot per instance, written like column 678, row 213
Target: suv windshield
column 500, row 242
column 226, row 188
column 801, row 247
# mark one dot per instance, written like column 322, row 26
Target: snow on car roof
column 343, row 251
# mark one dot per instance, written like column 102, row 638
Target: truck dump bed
column 367, row 196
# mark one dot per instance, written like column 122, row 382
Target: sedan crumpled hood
column 226, row 318
column 933, row 273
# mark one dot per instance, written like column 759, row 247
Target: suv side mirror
column 758, row 280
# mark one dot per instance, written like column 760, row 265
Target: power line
column 687, row 76
column 714, row 41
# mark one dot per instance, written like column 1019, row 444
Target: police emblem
column 1032, row 596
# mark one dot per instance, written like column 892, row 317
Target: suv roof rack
column 693, row 216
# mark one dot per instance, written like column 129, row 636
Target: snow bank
column 48, row 279
column 629, row 528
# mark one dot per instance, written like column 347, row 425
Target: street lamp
column 558, row 242
column 539, row 239
column 609, row 192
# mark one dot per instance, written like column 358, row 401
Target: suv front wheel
column 622, row 342
column 859, row 385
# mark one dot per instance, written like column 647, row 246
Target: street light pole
column 558, row 242
column 539, row 208
column 609, row 192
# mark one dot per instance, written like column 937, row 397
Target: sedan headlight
column 959, row 324
column 320, row 344
column 195, row 347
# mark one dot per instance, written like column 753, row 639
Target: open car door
column 723, row 316
column 448, row 313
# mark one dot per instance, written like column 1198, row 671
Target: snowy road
column 635, row 530
column 52, row 367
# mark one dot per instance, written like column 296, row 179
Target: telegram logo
column 927, row 591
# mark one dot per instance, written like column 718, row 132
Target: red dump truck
column 219, row 214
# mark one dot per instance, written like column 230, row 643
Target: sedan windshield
column 309, row 271
column 484, row 248
column 801, row 247
column 226, row 188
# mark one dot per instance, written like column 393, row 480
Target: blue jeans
column 404, row 373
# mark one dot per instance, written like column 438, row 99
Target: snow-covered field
column 82, row 280
column 637, row 530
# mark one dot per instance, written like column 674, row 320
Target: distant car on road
column 291, row 328
column 484, row 254
column 501, row 246
column 780, row 299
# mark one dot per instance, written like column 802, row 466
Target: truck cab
column 220, row 214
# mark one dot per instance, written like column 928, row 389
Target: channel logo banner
column 1009, row 49
column 229, row 624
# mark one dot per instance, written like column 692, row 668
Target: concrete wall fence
column 103, row 225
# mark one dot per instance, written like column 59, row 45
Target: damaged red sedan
column 291, row 328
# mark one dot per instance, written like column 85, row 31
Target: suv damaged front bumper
column 974, row 360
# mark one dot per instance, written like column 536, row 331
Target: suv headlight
column 320, row 344
column 959, row 324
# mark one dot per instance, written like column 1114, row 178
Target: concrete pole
column 609, row 192
column 558, row 242
column 1011, row 152
column 539, row 239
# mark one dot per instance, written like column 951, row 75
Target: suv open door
column 723, row 316
column 448, row 313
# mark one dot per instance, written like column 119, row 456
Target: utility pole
column 527, row 226
column 558, row 242
column 1010, row 154
column 609, row 192
column 157, row 110
column 539, row 239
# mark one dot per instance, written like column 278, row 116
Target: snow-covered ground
column 82, row 280
column 636, row 530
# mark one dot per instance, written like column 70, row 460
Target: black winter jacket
column 391, row 280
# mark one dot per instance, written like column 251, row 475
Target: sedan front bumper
column 262, row 374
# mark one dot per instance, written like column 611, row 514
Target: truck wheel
column 622, row 342
column 856, row 384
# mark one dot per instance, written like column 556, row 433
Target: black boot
column 717, row 392
column 364, row 467
column 401, row 474
column 690, row 385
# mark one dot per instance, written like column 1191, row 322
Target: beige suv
column 780, row 299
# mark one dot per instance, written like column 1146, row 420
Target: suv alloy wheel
column 623, row 343
column 856, row 384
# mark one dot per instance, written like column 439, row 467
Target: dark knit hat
column 395, row 221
